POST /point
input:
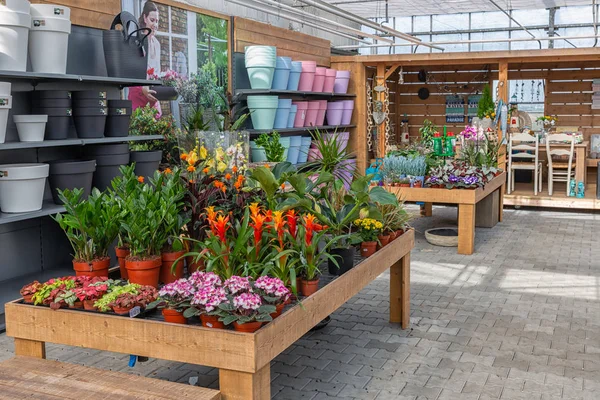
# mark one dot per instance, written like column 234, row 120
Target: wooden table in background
column 581, row 153
column 465, row 199
column 243, row 359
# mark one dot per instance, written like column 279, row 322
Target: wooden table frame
column 243, row 359
column 466, row 200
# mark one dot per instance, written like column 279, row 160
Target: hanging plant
column 486, row 108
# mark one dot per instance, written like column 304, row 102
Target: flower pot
column 392, row 235
column 283, row 113
column 79, row 95
column 122, row 253
column 344, row 258
column 90, row 122
column 211, row 321
column 22, row 187
column 257, row 154
column 292, row 116
column 173, row 316
column 107, row 167
column 144, row 272
column 278, row 310
column 342, row 79
column 166, row 276
column 21, row 6
column 146, row 162
column 302, row 107
column 283, row 66
column 50, row 10
column 285, row 142
column 329, row 82
column 260, row 77
column 263, row 110
column 294, row 150
column 319, row 81
column 308, row 288
column 399, row 233
column 118, row 120
column 121, row 310
column 5, row 106
column 383, row 241
column 48, row 44
column 303, row 156
column 341, row 137
column 311, row 113
column 38, row 96
column 59, row 121
column 165, row 93
column 89, row 305
column 405, row 185
column 28, row 299
column 345, row 171
column 321, row 112
column 294, row 79
column 248, row 327
column 193, row 266
column 94, row 268
column 307, row 77
column 347, row 113
column 367, row 249
column 417, row 184
column 314, row 154
column 335, row 111
column 70, row 175
column 78, row 305
column 31, row 128
column 14, row 38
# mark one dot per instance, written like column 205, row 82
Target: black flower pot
column 107, row 150
column 90, row 122
column 345, row 260
column 146, row 162
column 85, row 103
column 50, row 94
column 165, row 93
column 59, row 121
column 117, row 122
column 89, row 95
column 108, row 168
column 51, row 103
column 71, row 174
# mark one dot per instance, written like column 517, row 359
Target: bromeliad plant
column 310, row 235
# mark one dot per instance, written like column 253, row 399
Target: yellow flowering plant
column 368, row 228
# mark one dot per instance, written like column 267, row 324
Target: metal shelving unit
column 48, row 208
column 242, row 93
column 106, row 80
column 76, row 142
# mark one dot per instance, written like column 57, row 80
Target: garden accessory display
column 283, row 113
column 319, row 81
column 49, row 44
column 71, row 174
column 330, row 75
column 260, row 64
column 335, row 112
column 312, row 113
column 59, row 121
column 109, row 158
column 301, row 107
column 307, row 77
column 262, row 111
column 294, row 79
column 124, row 49
column 281, row 78
column 5, row 106
column 292, row 116
column 146, row 162
column 30, row 127
column 22, row 187
column 342, row 79
column 14, row 37
column 118, row 119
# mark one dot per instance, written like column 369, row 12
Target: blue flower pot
column 294, row 78
column 283, row 113
column 263, row 110
column 304, row 146
column 292, row 116
column 282, row 73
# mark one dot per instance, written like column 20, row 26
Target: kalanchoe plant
column 176, row 295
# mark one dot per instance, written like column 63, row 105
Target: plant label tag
column 103, row 111
column 3, row 174
column 102, row 103
column 39, row 22
column 121, row 111
column 59, row 11
column 4, row 102
column 135, row 311
column 102, row 95
column 69, row 112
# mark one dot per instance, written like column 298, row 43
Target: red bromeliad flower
column 258, row 224
column 211, row 215
column 279, row 225
column 311, row 227
column 221, row 226
column 269, row 216
column 292, row 221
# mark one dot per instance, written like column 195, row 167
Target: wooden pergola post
column 502, row 95
column 381, row 97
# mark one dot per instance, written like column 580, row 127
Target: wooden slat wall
column 91, row 13
column 297, row 45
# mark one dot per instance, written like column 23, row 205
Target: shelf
column 591, row 162
column 76, row 142
column 48, row 208
column 107, row 80
column 249, row 92
column 288, row 131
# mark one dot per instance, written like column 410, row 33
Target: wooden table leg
column 466, row 228
column 501, row 203
column 580, row 165
column 235, row 385
column 30, row 348
column 400, row 292
column 428, row 209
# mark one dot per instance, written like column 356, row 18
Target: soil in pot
column 211, row 321
column 89, row 305
column 173, row 316
column 278, row 310
column 345, row 260
column 248, row 327
column 367, row 249
column 308, row 288
column 122, row 310
column 383, row 241
column 93, row 268
column 122, row 253
column 143, row 272
column 166, row 276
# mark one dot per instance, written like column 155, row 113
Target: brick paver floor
column 519, row 319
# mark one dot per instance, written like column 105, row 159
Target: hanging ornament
column 401, row 76
column 538, row 93
column 370, row 118
column 522, row 92
column 514, row 96
column 379, row 112
column 532, row 89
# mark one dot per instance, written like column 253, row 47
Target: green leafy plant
column 272, row 145
column 104, row 302
column 51, row 288
column 333, row 157
column 486, row 107
column 144, row 122
column 426, row 132
column 195, row 120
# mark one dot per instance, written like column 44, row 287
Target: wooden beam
column 381, row 97
column 392, row 69
column 235, row 385
column 195, row 9
column 30, row 348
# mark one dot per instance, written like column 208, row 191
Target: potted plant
column 272, row 147
column 123, row 303
column 273, row 292
column 67, row 298
column 310, row 234
column 91, row 227
column 103, row 303
column 168, row 90
column 92, row 290
column 50, row 289
column 243, row 308
column 29, row 290
column 486, row 109
column 174, row 298
column 404, row 182
column 207, row 298
column 368, row 229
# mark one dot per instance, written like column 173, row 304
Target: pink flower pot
column 329, row 80
column 341, row 137
column 307, row 77
column 314, row 154
column 335, row 110
column 342, row 80
column 302, row 107
column 319, row 79
column 321, row 113
column 347, row 114
column 311, row 113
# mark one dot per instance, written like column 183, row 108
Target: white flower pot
column 50, row 10
column 21, row 6
column 48, row 44
column 5, row 106
column 5, row 88
column 31, row 127
column 22, row 187
column 14, row 36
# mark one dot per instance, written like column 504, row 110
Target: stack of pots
column 71, row 174
column 22, row 187
column 335, row 112
column 49, row 38
column 301, row 109
column 321, row 112
column 283, row 114
column 146, row 162
column 281, row 78
column 257, row 153
column 319, row 81
column 292, row 116
column 341, row 137
column 285, row 142
column 295, row 72
column 307, row 77
column 263, row 110
column 304, row 146
column 90, row 109
column 119, row 117
column 56, row 104
column 329, row 83
column 294, row 151
column 260, row 64
column 5, row 106
column 15, row 23
column 342, row 80
column 109, row 158
column 312, row 113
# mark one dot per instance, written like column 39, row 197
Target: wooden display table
column 466, row 200
column 243, row 359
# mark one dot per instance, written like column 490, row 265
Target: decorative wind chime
column 378, row 112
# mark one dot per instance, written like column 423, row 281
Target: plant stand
column 243, row 359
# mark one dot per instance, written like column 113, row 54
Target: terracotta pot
column 392, row 235
column 405, row 185
column 248, row 327
column 166, row 276
column 78, row 305
column 28, row 299
column 211, row 321
column 278, row 310
column 383, row 240
column 122, row 253
column 194, row 266
column 94, row 268
column 173, row 316
column 308, row 288
column 367, row 249
column 89, row 305
column 399, row 233
column 144, row 272
column 122, row 310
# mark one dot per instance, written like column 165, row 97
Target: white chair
column 560, row 171
column 523, row 145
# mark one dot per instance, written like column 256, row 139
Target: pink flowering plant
column 246, row 307
column 176, row 295
column 207, row 300
column 272, row 290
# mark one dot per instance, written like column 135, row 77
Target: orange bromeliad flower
column 183, row 156
column 211, row 213
column 206, row 170
column 168, row 171
column 140, row 179
column 228, row 177
column 191, row 168
column 282, row 186
column 235, row 169
column 221, row 226
column 292, row 222
column 279, row 225
column 255, row 209
column 311, row 227
column 258, row 224
column 269, row 215
column 218, row 184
